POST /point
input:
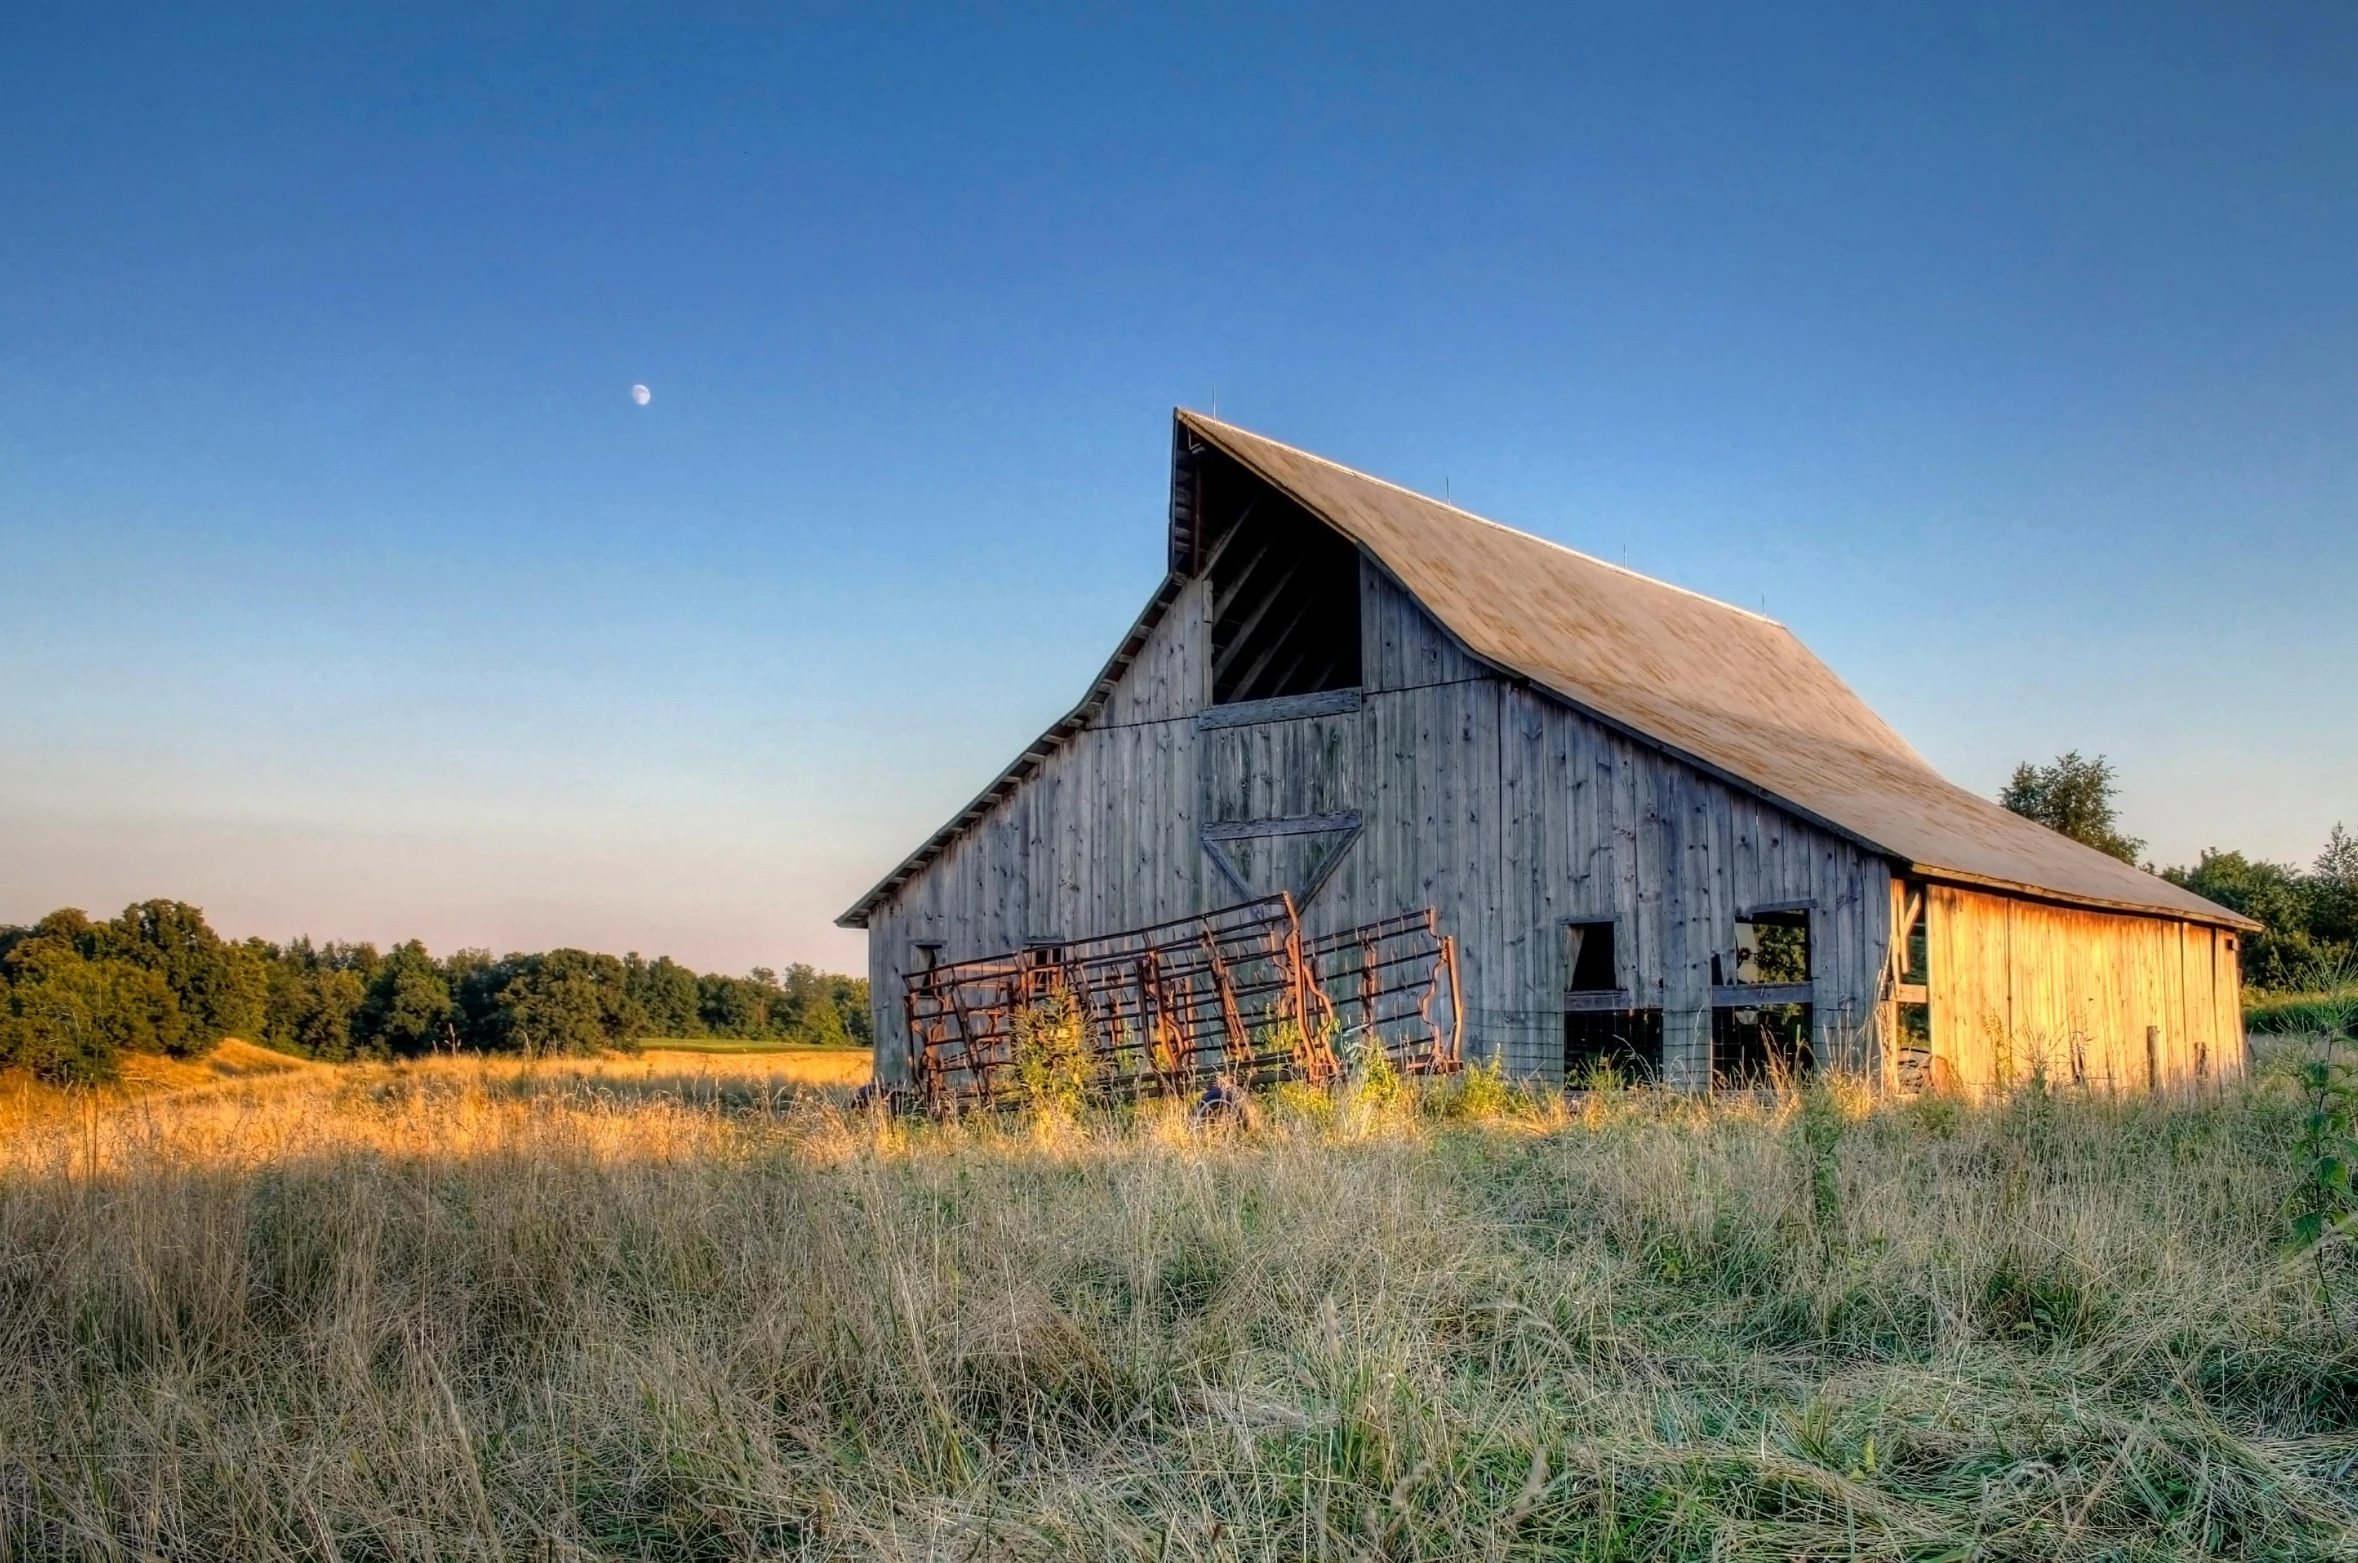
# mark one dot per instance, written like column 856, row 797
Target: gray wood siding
column 1499, row 805
column 1513, row 814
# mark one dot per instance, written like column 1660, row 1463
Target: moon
column 641, row 395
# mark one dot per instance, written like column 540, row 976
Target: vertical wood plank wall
column 1498, row 805
column 1101, row 837
column 2021, row 986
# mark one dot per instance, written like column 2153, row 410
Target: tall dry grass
column 458, row 1311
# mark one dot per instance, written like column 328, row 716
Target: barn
column 1662, row 834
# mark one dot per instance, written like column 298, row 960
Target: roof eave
column 856, row 916
column 2217, row 917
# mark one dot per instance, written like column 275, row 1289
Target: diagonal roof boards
column 1734, row 693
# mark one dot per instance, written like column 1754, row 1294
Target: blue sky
column 2010, row 356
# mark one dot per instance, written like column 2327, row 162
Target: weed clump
column 1052, row 1059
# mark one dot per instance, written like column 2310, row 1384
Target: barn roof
column 1729, row 690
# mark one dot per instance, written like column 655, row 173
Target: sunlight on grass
column 622, row 1309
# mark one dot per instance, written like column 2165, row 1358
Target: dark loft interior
column 1285, row 590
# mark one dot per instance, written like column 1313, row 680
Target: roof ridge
column 1516, row 531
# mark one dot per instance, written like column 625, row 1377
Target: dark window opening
column 1588, row 958
column 1285, row 590
column 1623, row 1042
column 1773, row 947
column 1768, row 1044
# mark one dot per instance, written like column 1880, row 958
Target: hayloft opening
column 1285, row 589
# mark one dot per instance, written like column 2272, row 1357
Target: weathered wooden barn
column 1664, row 835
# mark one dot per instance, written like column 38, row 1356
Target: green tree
column 68, row 924
column 76, row 994
column 221, row 988
column 2333, row 892
column 563, row 1002
column 2271, row 894
column 667, row 991
column 2309, row 920
column 70, row 1018
column 315, row 998
column 820, row 1009
column 406, row 1008
column 2075, row 797
column 731, row 1006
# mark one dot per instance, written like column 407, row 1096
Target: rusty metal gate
column 1158, row 1010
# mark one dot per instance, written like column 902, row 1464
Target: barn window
column 1760, row 1010
column 1915, row 1047
column 1760, row 1044
column 1626, row 1043
column 1603, row 1030
column 1773, row 947
column 1914, row 942
column 1285, row 590
column 1588, row 958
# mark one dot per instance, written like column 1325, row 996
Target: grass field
column 734, row 1046
column 785, row 1066
column 633, row 1310
column 739, row 1068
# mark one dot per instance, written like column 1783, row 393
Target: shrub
column 1052, row 1060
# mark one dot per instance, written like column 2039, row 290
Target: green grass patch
column 2304, row 1012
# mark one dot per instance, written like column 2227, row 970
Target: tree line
column 2309, row 916
column 77, row 994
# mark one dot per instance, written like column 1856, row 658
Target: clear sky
column 2008, row 353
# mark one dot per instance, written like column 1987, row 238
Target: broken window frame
column 1787, row 971
column 1911, row 938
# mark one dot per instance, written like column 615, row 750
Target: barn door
column 1279, row 800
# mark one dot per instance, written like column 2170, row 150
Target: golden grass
column 488, row 1310
column 25, row 1101
column 771, row 1070
column 836, row 1067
